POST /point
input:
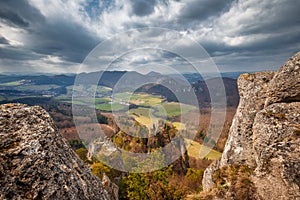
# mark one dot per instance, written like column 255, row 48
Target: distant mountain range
column 68, row 79
column 153, row 83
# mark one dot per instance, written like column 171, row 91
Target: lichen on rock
column 265, row 134
column 37, row 163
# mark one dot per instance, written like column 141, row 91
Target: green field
column 69, row 100
column 13, row 83
column 197, row 150
column 149, row 116
column 151, row 108
column 109, row 107
column 172, row 109
column 101, row 91
column 140, row 99
column 102, row 104
column 82, row 100
column 36, row 87
column 102, row 100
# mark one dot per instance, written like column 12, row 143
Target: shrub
column 234, row 179
column 82, row 153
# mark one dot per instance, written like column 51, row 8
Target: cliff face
column 37, row 163
column 265, row 135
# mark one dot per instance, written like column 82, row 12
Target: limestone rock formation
column 252, row 89
column 276, row 136
column 37, row 163
column 265, row 135
column 110, row 187
column 285, row 85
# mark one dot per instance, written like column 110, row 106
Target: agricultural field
column 149, row 109
column 108, row 107
column 172, row 109
column 102, row 96
column 144, row 116
column 139, row 99
column 102, row 100
column 101, row 91
column 12, row 84
column 197, row 150
column 36, row 87
column 165, row 111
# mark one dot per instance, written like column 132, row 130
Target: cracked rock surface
column 37, row 163
column 265, row 133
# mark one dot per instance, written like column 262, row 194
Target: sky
column 60, row 36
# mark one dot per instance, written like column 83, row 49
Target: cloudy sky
column 56, row 36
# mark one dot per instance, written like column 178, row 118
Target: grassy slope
column 14, row 83
column 140, row 99
column 143, row 116
column 109, row 107
column 173, row 109
column 197, row 150
column 179, row 125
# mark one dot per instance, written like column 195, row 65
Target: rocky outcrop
column 37, row 163
column 285, row 85
column 276, row 136
column 265, row 134
column 253, row 92
column 174, row 148
column 110, row 187
column 165, row 141
column 207, row 181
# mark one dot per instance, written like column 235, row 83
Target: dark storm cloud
column 57, row 37
column 168, row 54
column 273, row 43
column 266, row 54
column 3, row 40
column 143, row 7
column 13, row 53
column 202, row 9
column 232, row 31
column 69, row 40
column 12, row 18
column 19, row 13
column 274, row 30
column 279, row 17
